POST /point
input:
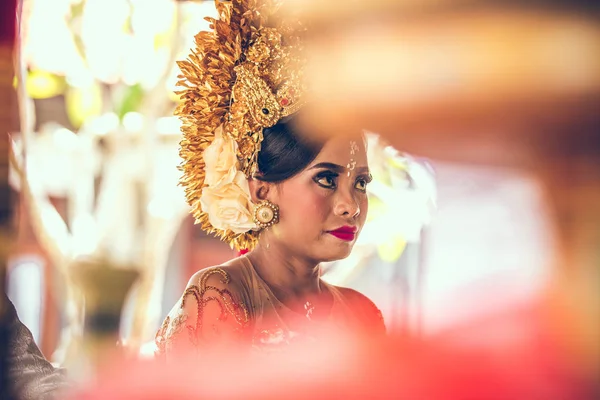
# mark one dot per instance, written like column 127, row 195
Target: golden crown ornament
column 243, row 76
column 266, row 214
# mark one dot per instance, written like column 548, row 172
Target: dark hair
column 285, row 151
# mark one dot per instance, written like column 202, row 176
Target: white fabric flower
column 220, row 158
column 228, row 204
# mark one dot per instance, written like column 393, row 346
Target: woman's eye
column 362, row 182
column 361, row 185
column 326, row 181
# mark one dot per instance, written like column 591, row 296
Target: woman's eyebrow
column 338, row 168
column 331, row 166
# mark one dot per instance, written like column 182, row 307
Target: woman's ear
column 259, row 190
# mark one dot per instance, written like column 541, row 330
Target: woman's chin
column 336, row 253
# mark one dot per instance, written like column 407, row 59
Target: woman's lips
column 345, row 233
column 348, row 237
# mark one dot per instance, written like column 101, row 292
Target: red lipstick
column 345, row 233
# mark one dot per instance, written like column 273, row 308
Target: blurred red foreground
column 512, row 356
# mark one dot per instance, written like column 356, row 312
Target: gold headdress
column 243, row 76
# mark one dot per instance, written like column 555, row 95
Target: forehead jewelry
column 353, row 150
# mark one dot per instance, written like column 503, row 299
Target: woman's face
column 323, row 208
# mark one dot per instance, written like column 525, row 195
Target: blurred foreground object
column 478, row 82
column 24, row 372
column 31, row 376
column 394, row 368
column 7, row 124
column 482, row 83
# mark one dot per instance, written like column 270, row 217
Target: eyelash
column 331, row 176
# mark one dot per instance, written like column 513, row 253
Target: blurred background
column 483, row 142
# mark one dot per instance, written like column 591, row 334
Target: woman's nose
column 347, row 206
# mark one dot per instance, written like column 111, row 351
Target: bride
column 251, row 178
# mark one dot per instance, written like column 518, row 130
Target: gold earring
column 266, row 214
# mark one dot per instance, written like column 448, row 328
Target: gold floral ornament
column 242, row 76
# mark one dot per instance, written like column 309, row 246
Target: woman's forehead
column 340, row 150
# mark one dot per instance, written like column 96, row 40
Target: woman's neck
column 287, row 275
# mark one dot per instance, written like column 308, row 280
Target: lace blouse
column 233, row 305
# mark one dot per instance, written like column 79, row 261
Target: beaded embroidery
column 204, row 295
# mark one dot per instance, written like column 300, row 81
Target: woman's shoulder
column 364, row 307
column 225, row 284
column 228, row 276
column 212, row 308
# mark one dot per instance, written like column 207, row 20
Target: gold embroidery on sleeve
column 161, row 339
column 203, row 294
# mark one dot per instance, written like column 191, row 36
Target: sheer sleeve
column 209, row 314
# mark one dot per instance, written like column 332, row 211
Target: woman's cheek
column 308, row 203
column 364, row 206
column 318, row 203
